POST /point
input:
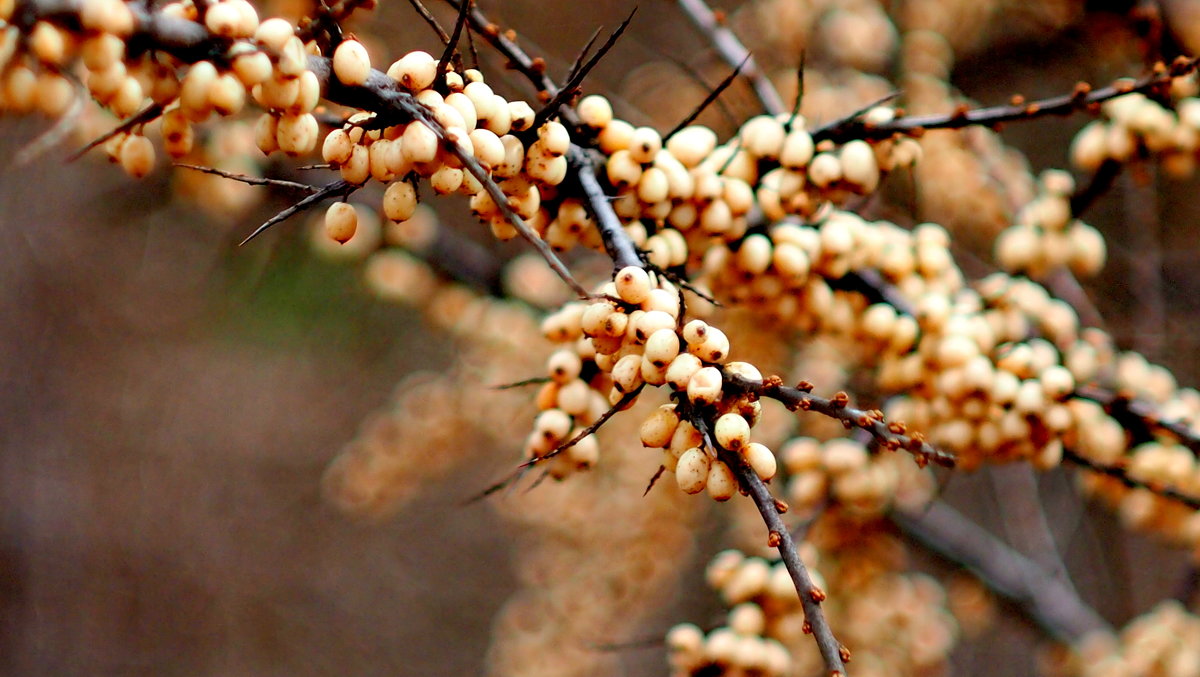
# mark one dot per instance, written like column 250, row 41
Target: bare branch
column 892, row 436
column 340, row 188
column 1047, row 601
column 1083, row 98
column 733, row 53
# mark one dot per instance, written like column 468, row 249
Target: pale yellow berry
column 721, row 483
column 704, row 386
column 645, row 144
column 797, row 149
column 859, row 165
column 419, row 143
column 732, row 431
column 681, row 370
column 659, row 427
column 627, row 373
column 692, row 470
column 297, row 134
column 341, row 222
column 633, row 284
column 824, row 170
column 691, row 145
column 595, row 111
column 227, row 94
column 293, row 58
column 265, row 130
column 357, row 168
column 521, row 114
column 137, row 156
column 554, row 138
column 400, row 201
column 351, row 63
column 761, row 460
column 274, row 33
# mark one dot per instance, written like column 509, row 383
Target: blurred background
column 169, row 401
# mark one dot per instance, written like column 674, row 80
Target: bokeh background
column 169, row 401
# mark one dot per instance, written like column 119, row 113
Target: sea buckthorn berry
column 721, row 483
column 859, row 165
column 137, row 156
column 645, row 144
column 633, row 284
column 193, row 95
column 341, row 222
column 662, row 347
column 761, row 460
column 595, row 111
column 351, row 63
column 692, row 144
column 732, row 432
column 522, row 115
column 659, row 426
column 714, row 347
column 763, row 136
column 358, row 168
column 616, row 136
column 293, row 59
column 555, row 138
column 824, row 170
column 337, row 147
column 273, row 33
column 252, row 68
column 704, row 386
column 265, row 130
column 681, row 370
column 554, row 425
column 797, row 149
column 227, row 94
column 692, row 470
column 400, row 201
column 419, row 142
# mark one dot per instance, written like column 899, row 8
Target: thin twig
column 1082, row 98
column 892, row 436
column 780, row 537
column 254, row 180
column 712, row 96
column 452, row 43
column 733, row 53
column 1056, row 608
column 1122, row 475
column 1124, row 408
column 429, row 19
column 142, row 117
column 341, row 187
column 572, row 85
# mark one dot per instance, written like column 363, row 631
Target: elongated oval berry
column 692, row 470
column 341, row 222
column 721, row 483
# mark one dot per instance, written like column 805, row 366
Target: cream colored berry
column 704, row 386
column 721, row 483
column 400, row 201
column 351, row 63
column 633, row 284
column 137, row 156
column 595, row 111
column 341, row 222
column 659, row 427
column 692, row 470
column 732, row 432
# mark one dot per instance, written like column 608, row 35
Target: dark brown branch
column 571, row 88
column 254, row 180
column 424, row 13
column 1100, row 183
column 1122, row 475
column 733, row 53
column 339, row 188
column 1132, row 413
column 1082, row 98
column 616, row 241
column 779, row 536
column 712, row 96
column 142, row 117
column 892, row 436
column 1055, row 607
column 452, row 43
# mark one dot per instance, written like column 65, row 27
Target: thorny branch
column 1082, row 98
column 892, row 436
